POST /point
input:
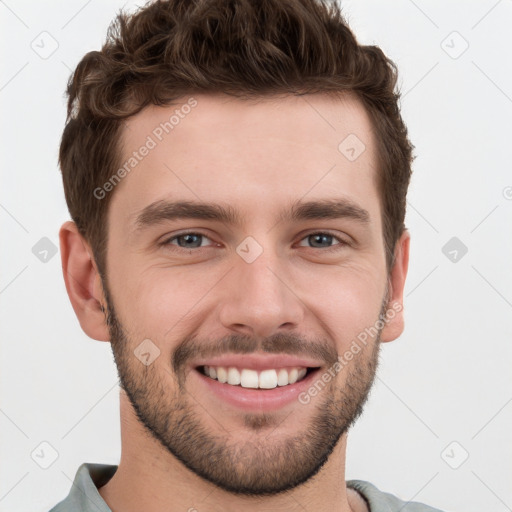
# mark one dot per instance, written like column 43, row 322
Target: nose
column 259, row 299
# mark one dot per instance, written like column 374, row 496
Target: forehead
column 248, row 153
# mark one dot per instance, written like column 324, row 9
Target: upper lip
column 258, row 362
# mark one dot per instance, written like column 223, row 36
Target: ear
column 396, row 283
column 83, row 282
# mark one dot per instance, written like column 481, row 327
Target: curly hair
column 246, row 48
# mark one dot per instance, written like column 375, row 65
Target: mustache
column 279, row 343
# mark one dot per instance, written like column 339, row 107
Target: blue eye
column 196, row 240
column 188, row 240
column 321, row 241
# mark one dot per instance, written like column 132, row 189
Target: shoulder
column 379, row 501
column 84, row 495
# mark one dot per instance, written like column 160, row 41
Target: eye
column 322, row 241
column 197, row 240
column 191, row 240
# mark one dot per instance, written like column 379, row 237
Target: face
column 245, row 258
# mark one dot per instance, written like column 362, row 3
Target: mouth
column 253, row 379
column 251, row 390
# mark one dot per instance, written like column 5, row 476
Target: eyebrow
column 327, row 209
column 324, row 209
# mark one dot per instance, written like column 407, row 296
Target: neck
column 149, row 478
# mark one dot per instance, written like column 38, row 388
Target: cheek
column 348, row 303
column 160, row 302
column 168, row 303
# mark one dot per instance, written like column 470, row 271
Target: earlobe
column 396, row 283
column 83, row 282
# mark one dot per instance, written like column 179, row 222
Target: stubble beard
column 266, row 462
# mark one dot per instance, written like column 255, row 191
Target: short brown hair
column 246, row 48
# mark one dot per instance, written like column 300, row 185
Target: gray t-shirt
column 84, row 495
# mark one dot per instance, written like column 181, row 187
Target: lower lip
column 250, row 399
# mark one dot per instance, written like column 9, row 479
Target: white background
column 446, row 379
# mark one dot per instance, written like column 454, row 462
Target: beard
column 264, row 462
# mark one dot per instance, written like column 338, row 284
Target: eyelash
column 336, row 247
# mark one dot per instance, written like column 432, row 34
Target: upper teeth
column 266, row 379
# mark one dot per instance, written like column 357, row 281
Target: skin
column 259, row 158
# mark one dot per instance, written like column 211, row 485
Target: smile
column 248, row 378
column 256, row 390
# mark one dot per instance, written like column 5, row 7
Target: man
column 236, row 173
